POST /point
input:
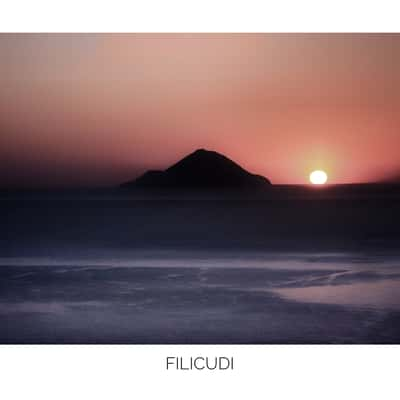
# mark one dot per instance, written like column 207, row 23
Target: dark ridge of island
column 201, row 169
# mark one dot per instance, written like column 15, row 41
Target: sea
column 294, row 265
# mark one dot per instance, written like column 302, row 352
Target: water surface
column 128, row 269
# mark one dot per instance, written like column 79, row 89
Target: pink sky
column 94, row 110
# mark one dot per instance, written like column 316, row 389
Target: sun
column 318, row 177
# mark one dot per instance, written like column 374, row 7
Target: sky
column 100, row 109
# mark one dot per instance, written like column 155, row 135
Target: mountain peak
column 201, row 169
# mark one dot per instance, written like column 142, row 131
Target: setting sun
column 318, row 177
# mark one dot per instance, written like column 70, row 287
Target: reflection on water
column 201, row 297
column 383, row 294
column 44, row 307
column 293, row 266
column 353, row 261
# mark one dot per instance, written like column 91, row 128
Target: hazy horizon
column 96, row 110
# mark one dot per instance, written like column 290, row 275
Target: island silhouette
column 201, row 169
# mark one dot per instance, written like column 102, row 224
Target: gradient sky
column 86, row 109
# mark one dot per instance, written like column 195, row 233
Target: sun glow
column 318, row 177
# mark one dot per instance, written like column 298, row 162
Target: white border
column 138, row 372
column 199, row 16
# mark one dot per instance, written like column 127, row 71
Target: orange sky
column 99, row 109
